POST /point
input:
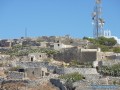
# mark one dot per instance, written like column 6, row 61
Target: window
column 57, row 41
column 21, row 70
column 31, row 59
column 46, row 74
column 42, row 73
column 40, row 56
column 33, row 72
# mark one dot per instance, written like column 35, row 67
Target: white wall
column 58, row 46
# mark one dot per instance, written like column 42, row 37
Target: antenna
column 98, row 21
column 25, row 32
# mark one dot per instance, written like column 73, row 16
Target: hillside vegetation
column 106, row 44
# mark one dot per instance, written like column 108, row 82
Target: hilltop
column 58, row 63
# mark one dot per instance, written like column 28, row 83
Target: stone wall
column 43, row 65
column 32, row 64
column 88, row 56
column 66, row 55
column 110, row 62
column 83, row 71
column 81, row 55
column 99, row 87
column 106, row 56
column 14, row 75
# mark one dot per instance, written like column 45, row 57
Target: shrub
column 110, row 70
column 72, row 77
column 1, row 64
column 116, row 49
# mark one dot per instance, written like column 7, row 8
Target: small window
column 21, row 70
column 42, row 73
column 102, row 57
column 40, row 56
column 31, row 59
column 46, row 74
column 33, row 72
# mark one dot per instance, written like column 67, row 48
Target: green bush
column 104, row 48
column 116, row 49
column 106, row 44
column 106, row 41
column 72, row 77
column 110, row 70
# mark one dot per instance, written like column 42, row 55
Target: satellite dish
column 93, row 15
column 98, row 1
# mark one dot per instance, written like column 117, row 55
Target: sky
column 55, row 18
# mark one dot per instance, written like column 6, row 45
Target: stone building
column 36, row 72
column 76, row 53
column 36, row 69
column 43, row 44
column 59, row 46
column 30, row 72
column 5, row 43
column 88, row 55
column 37, row 56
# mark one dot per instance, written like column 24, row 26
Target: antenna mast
column 25, row 32
column 98, row 21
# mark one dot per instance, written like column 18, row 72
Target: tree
column 102, row 41
column 104, row 48
column 106, row 44
column 106, row 41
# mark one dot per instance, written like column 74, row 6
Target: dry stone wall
column 15, row 75
column 75, row 53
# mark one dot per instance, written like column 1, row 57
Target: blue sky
column 55, row 17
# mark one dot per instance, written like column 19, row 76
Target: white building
column 107, row 33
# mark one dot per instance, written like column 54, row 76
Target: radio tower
column 98, row 21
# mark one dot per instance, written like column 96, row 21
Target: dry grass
column 2, row 73
column 13, row 86
column 22, row 86
column 45, row 86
